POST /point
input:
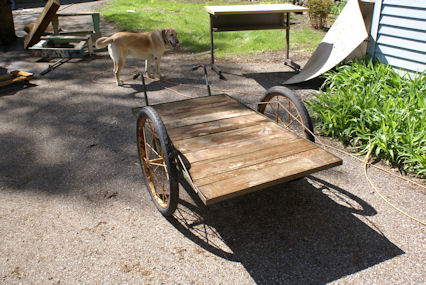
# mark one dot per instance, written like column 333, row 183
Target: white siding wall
column 398, row 34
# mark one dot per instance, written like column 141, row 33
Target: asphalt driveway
column 74, row 208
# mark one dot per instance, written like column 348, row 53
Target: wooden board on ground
column 14, row 76
column 42, row 22
column 233, row 150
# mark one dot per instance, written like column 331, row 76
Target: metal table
column 252, row 17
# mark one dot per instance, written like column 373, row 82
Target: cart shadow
column 295, row 233
column 153, row 85
column 270, row 79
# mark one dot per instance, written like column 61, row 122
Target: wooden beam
column 42, row 22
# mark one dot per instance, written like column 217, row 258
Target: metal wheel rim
column 284, row 112
column 153, row 163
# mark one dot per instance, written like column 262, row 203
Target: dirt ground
column 74, row 207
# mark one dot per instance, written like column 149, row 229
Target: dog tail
column 103, row 42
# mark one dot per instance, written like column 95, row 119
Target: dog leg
column 118, row 62
column 148, row 67
column 111, row 52
column 157, row 63
column 120, row 66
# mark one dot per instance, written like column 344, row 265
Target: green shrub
column 337, row 8
column 318, row 12
column 372, row 108
column 320, row 7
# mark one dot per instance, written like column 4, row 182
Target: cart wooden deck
column 233, row 150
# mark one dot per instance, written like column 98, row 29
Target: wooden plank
column 182, row 106
column 238, row 147
column 202, row 116
column 248, row 28
column 42, row 22
column 14, row 76
column 77, row 14
column 66, row 38
column 188, row 111
column 242, row 181
column 213, row 167
column 254, row 9
column 212, row 127
column 230, row 138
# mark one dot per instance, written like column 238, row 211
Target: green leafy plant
column 337, row 8
column 372, row 108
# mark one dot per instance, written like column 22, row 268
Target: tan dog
column 149, row 46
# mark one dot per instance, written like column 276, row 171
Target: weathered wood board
column 42, row 22
column 233, row 150
column 15, row 76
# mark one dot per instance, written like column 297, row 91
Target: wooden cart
column 225, row 149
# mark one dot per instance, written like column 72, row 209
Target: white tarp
column 346, row 34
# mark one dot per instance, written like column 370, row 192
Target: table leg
column 211, row 40
column 287, row 60
column 287, row 36
column 213, row 66
column 96, row 26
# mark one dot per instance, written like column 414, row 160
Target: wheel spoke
column 161, row 187
column 293, row 117
column 152, row 149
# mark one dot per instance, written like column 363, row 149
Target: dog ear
column 163, row 34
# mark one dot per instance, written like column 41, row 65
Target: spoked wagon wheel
column 157, row 162
column 284, row 107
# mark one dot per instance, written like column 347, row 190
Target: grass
column 192, row 23
column 372, row 108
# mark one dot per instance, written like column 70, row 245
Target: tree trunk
column 7, row 30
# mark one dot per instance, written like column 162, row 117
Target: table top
column 254, row 9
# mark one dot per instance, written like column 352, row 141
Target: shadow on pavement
column 302, row 232
column 65, row 132
column 270, row 79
